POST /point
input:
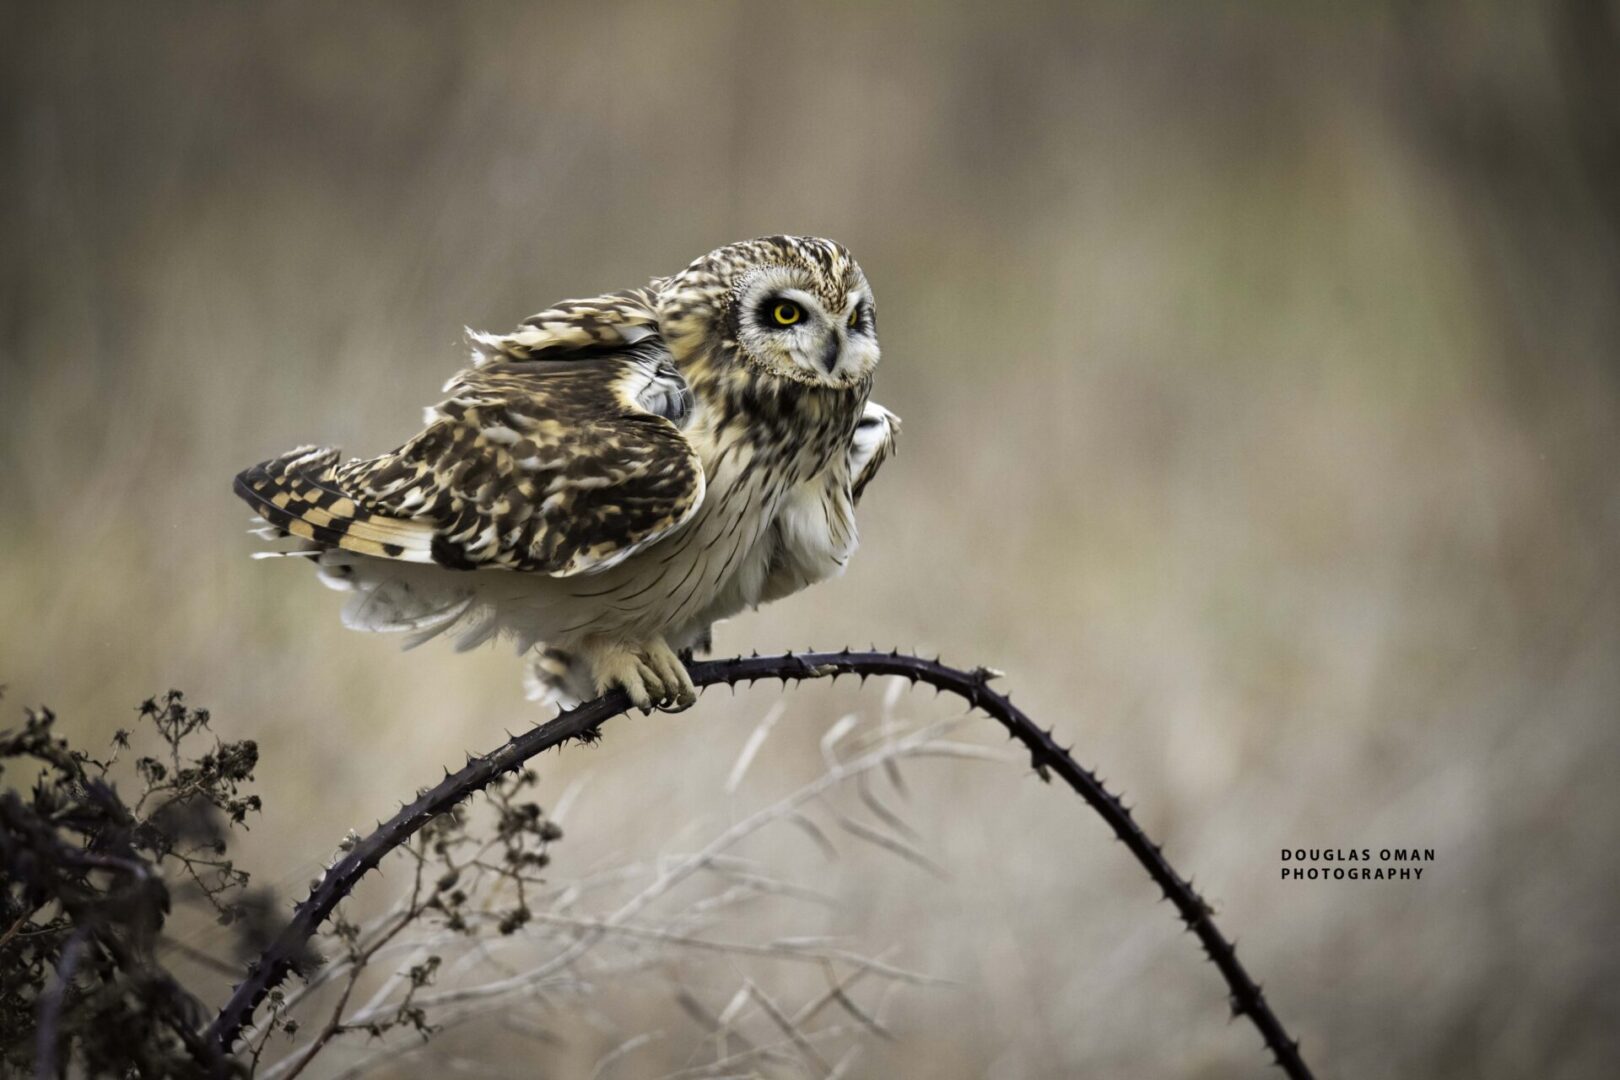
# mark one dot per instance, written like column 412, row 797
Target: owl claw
column 679, row 693
column 652, row 675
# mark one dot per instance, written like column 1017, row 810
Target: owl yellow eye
column 855, row 318
column 786, row 313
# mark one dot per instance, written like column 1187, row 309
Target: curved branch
column 583, row 722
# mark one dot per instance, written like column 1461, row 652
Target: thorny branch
column 584, row 723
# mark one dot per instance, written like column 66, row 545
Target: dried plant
column 480, row 927
column 88, row 884
column 452, row 953
column 1047, row 757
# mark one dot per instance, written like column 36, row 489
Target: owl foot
column 651, row 674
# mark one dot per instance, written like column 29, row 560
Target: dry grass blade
column 624, row 1049
column 750, row 750
column 890, row 843
column 863, row 786
column 846, row 1063
column 815, row 833
column 781, row 950
column 790, row 1029
column 835, row 735
column 724, row 1067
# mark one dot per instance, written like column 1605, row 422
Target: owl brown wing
column 616, row 320
column 563, row 465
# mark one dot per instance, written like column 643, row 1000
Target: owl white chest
column 758, row 535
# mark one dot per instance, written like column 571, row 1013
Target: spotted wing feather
column 562, row 466
column 614, row 321
column 295, row 495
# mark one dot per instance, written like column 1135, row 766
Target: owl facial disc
column 795, row 327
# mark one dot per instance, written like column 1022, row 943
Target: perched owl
column 615, row 475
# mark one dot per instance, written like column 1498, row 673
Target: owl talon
column 636, row 686
column 652, row 675
column 677, row 683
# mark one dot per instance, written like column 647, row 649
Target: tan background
column 1258, row 371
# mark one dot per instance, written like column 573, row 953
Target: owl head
column 786, row 307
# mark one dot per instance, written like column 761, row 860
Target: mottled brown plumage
column 645, row 462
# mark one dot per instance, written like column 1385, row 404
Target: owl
column 611, row 478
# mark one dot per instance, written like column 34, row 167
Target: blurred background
column 1258, row 365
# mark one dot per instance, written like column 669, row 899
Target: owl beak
column 829, row 355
